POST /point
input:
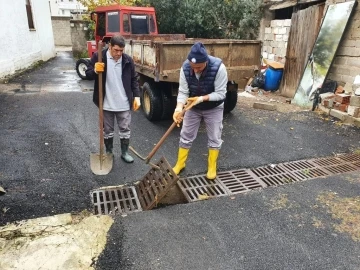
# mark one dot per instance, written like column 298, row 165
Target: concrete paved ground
column 49, row 128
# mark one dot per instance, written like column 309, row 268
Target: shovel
column 2, row 191
column 100, row 163
column 157, row 146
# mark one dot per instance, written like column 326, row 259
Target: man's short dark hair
column 117, row 40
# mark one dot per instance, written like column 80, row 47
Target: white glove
column 136, row 104
column 177, row 115
column 194, row 101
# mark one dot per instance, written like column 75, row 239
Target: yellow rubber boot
column 182, row 157
column 212, row 160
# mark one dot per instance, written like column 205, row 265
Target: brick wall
column 346, row 64
column 78, row 38
column 275, row 40
column 61, row 29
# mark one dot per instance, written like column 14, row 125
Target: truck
column 158, row 57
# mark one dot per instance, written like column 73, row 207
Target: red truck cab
column 123, row 20
column 127, row 21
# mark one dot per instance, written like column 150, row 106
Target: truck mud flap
column 231, row 97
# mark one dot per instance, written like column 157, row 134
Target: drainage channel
column 147, row 193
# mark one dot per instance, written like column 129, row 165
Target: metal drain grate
column 239, row 181
column 342, row 168
column 352, row 158
column 276, row 175
column 193, row 187
column 155, row 184
column 115, row 200
column 341, row 164
column 324, row 162
column 303, row 169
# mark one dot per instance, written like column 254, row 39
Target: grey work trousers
column 213, row 120
column 123, row 120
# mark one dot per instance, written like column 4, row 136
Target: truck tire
column 230, row 101
column 167, row 104
column 81, row 66
column 151, row 102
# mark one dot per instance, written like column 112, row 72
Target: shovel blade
column 2, row 191
column 101, row 166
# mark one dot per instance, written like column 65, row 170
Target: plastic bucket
column 272, row 79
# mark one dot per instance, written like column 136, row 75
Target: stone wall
column 346, row 65
column 78, row 38
column 61, row 29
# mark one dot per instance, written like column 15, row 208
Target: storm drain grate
column 194, row 187
column 148, row 192
column 340, row 164
column 239, row 181
column 342, row 168
column 115, row 200
column 303, row 169
column 155, row 184
column 324, row 162
column 353, row 158
column 276, row 175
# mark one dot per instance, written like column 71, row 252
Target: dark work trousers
column 123, row 120
column 213, row 120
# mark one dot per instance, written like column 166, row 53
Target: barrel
column 273, row 78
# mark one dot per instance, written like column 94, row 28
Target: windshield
column 139, row 24
column 113, row 22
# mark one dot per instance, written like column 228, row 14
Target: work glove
column 99, row 67
column 194, row 101
column 177, row 116
column 136, row 103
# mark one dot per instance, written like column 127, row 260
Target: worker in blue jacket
column 203, row 83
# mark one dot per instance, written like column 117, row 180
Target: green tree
column 92, row 4
column 239, row 19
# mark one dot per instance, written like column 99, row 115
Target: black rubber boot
column 109, row 145
column 124, row 151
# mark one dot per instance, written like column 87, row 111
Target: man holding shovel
column 120, row 92
column 203, row 82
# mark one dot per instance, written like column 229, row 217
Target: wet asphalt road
column 49, row 126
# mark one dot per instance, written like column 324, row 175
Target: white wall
column 20, row 46
column 64, row 7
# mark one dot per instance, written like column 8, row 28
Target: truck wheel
column 230, row 101
column 151, row 102
column 168, row 105
column 81, row 66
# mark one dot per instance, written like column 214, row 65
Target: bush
column 237, row 19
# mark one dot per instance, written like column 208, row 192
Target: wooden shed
column 289, row 29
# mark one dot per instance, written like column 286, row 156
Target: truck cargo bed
column 161, row 59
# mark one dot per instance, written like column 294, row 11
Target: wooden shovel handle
column 101, row 113
column 157, row 146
